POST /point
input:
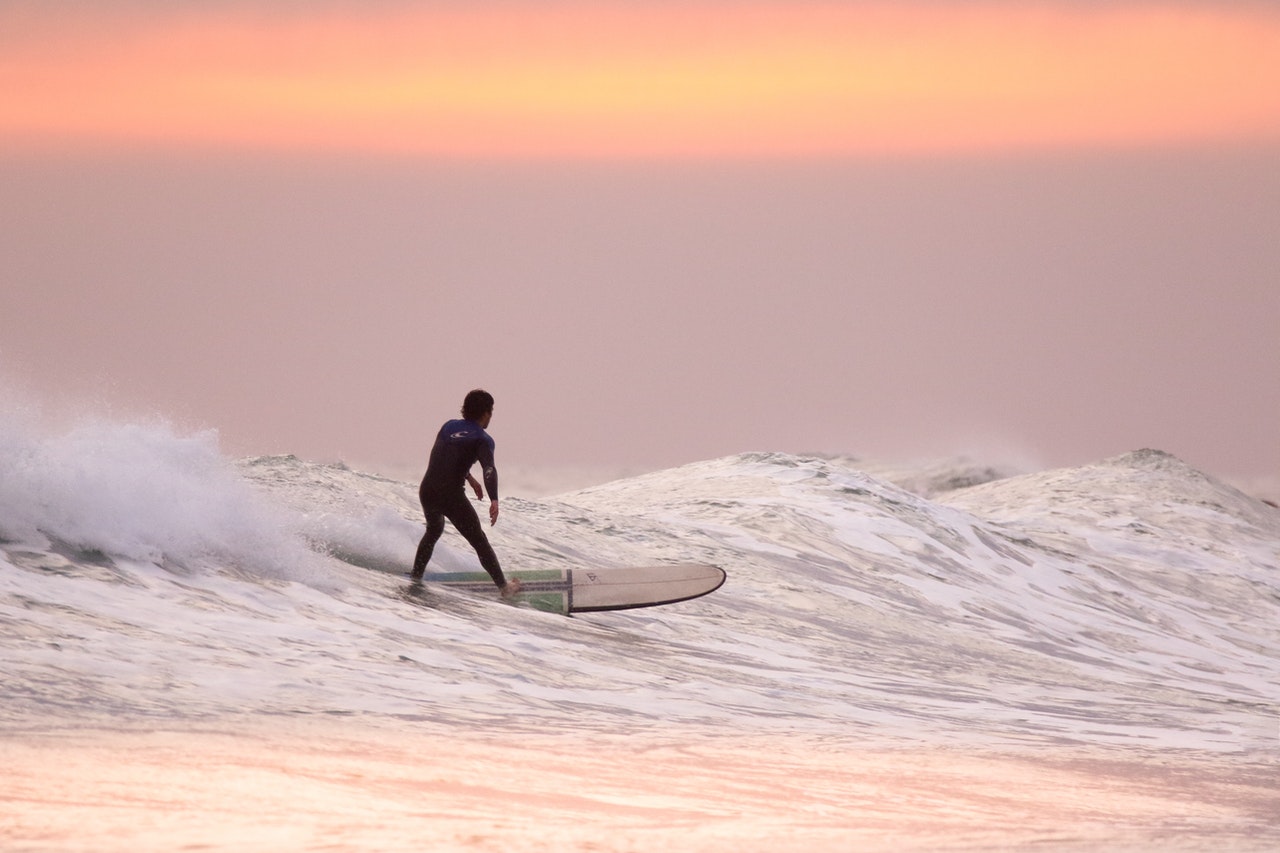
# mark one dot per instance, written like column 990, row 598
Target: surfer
column 459, row 445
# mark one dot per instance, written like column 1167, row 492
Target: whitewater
column 216, row 653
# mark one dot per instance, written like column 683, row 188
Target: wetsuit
column 459, row 445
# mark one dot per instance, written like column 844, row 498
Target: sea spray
column 139, row 491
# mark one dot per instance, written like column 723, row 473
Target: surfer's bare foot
column 511, row 588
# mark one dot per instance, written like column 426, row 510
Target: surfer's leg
column 435, row 527
column 464, row 517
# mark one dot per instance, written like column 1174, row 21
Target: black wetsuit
column 459, row 445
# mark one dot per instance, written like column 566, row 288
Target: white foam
column 1028, row 608
column 140, row 491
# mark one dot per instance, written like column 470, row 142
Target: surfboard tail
column 595, row 590
column 542, row 589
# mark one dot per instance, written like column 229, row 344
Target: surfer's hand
column 475, row 484
column 493, row 513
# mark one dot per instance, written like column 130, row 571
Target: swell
column 1132, row 602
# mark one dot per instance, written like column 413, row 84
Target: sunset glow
column 589, row 80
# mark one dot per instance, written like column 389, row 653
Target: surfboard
column 592, row 590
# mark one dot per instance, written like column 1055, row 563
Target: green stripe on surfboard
column 542, row 589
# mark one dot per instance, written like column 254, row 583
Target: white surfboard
column 587, row 590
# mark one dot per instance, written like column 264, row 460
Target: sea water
column 197, row 654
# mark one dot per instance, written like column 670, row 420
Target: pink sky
column 657, row 232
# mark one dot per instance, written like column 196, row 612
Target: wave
column 1130, row 602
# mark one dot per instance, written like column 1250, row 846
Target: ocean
column 202, row 652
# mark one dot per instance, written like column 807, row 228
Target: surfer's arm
column 485, row 457
column 475, row 484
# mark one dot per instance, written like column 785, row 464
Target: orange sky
column 587, row 79
column 593, row 80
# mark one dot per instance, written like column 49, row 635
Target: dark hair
column 477, row 404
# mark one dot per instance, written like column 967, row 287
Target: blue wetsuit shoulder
column 459, row 445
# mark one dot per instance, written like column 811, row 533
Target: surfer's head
column 477, row 404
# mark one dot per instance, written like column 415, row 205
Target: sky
column 658, row 232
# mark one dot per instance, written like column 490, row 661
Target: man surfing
column 459, row 445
